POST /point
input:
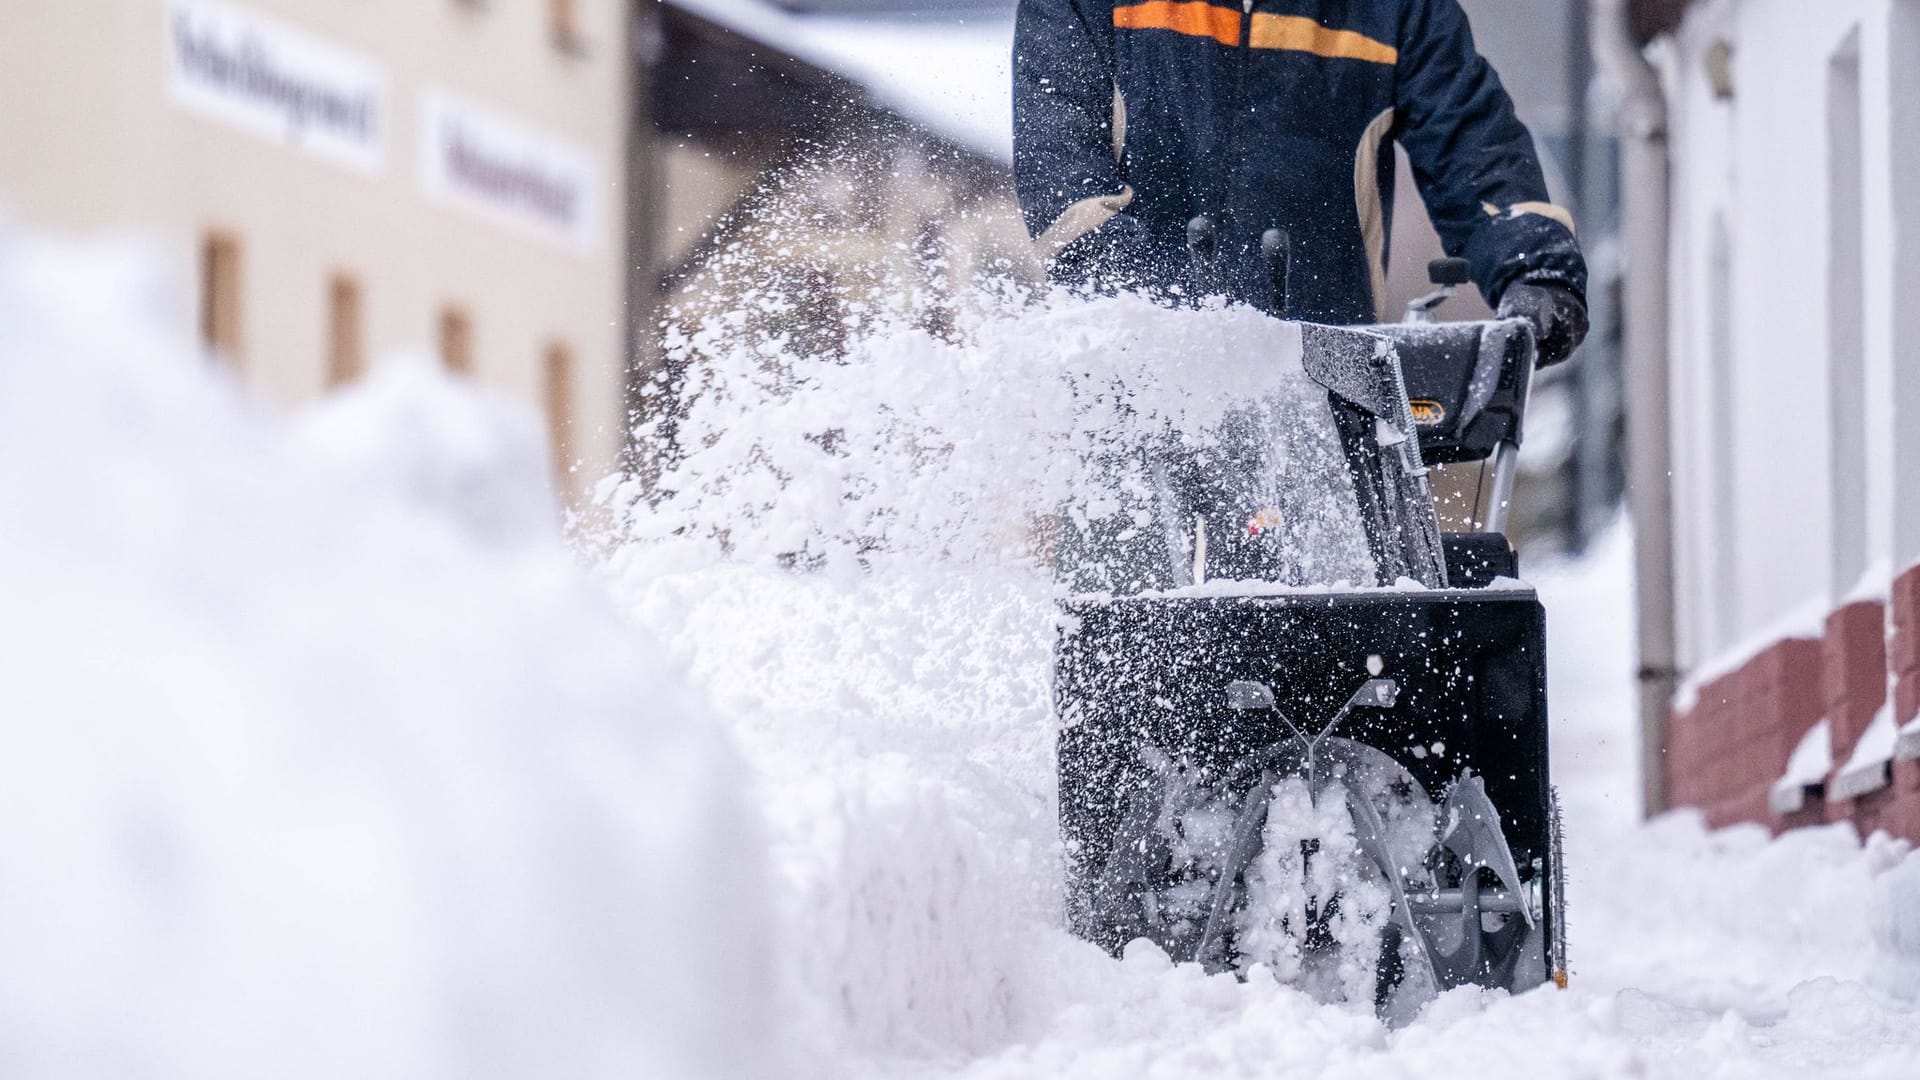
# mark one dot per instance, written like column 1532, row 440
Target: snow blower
column 1347, row 787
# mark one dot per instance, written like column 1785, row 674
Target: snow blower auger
column 1347, row 787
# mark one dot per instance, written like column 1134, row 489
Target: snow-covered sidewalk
column 897, row 718
column 918, row 935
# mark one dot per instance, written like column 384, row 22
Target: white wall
column 1903, row 67
column 1765, row 534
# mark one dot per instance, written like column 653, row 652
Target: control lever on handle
column 1446, row 276
column 1449, row 273
column 1203, row 246
column 1276, row 247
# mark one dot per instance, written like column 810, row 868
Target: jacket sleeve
column 1064, row 162
column 1474, row 161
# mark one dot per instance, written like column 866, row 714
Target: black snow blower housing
column 1347, row 787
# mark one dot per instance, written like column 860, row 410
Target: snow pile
column 1807, row 768
column 901, row 738
column 442, row 448
column 1734, row 917
column 1896, row 931
column 1868, row 770
column 322, row 757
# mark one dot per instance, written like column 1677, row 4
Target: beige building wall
column 92, row 137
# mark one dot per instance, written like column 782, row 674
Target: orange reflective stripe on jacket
column 1301, row 34
column 1190, row 17
column 1293, row 33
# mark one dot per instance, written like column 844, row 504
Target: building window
column 456, row 340
column 220, row 299
column 346, row 331
column 563, row 18
column 557, row 379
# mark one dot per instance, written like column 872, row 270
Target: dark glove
column 1558, row 315
column 1118, row 254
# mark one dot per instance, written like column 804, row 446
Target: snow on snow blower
column 1345, row 786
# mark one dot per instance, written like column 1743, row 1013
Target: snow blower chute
column 1346, row 786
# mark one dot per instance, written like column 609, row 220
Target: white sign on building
column 475, row 158
column 276, row 81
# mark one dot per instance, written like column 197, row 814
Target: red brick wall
column 1902, row 817
column 1725, row 754
column 1856, row 685
column 1855, row 659
column 1906, row 645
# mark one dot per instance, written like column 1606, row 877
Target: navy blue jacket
column 1279, row 114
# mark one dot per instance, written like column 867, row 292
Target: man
column 1131, row 118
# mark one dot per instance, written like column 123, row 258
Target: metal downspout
column 1646, row 200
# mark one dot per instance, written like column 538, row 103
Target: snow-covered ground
column 320, row 756
column 325, row 757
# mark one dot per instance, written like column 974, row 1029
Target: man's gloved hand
column 1118, row 254
column 1558, row 315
